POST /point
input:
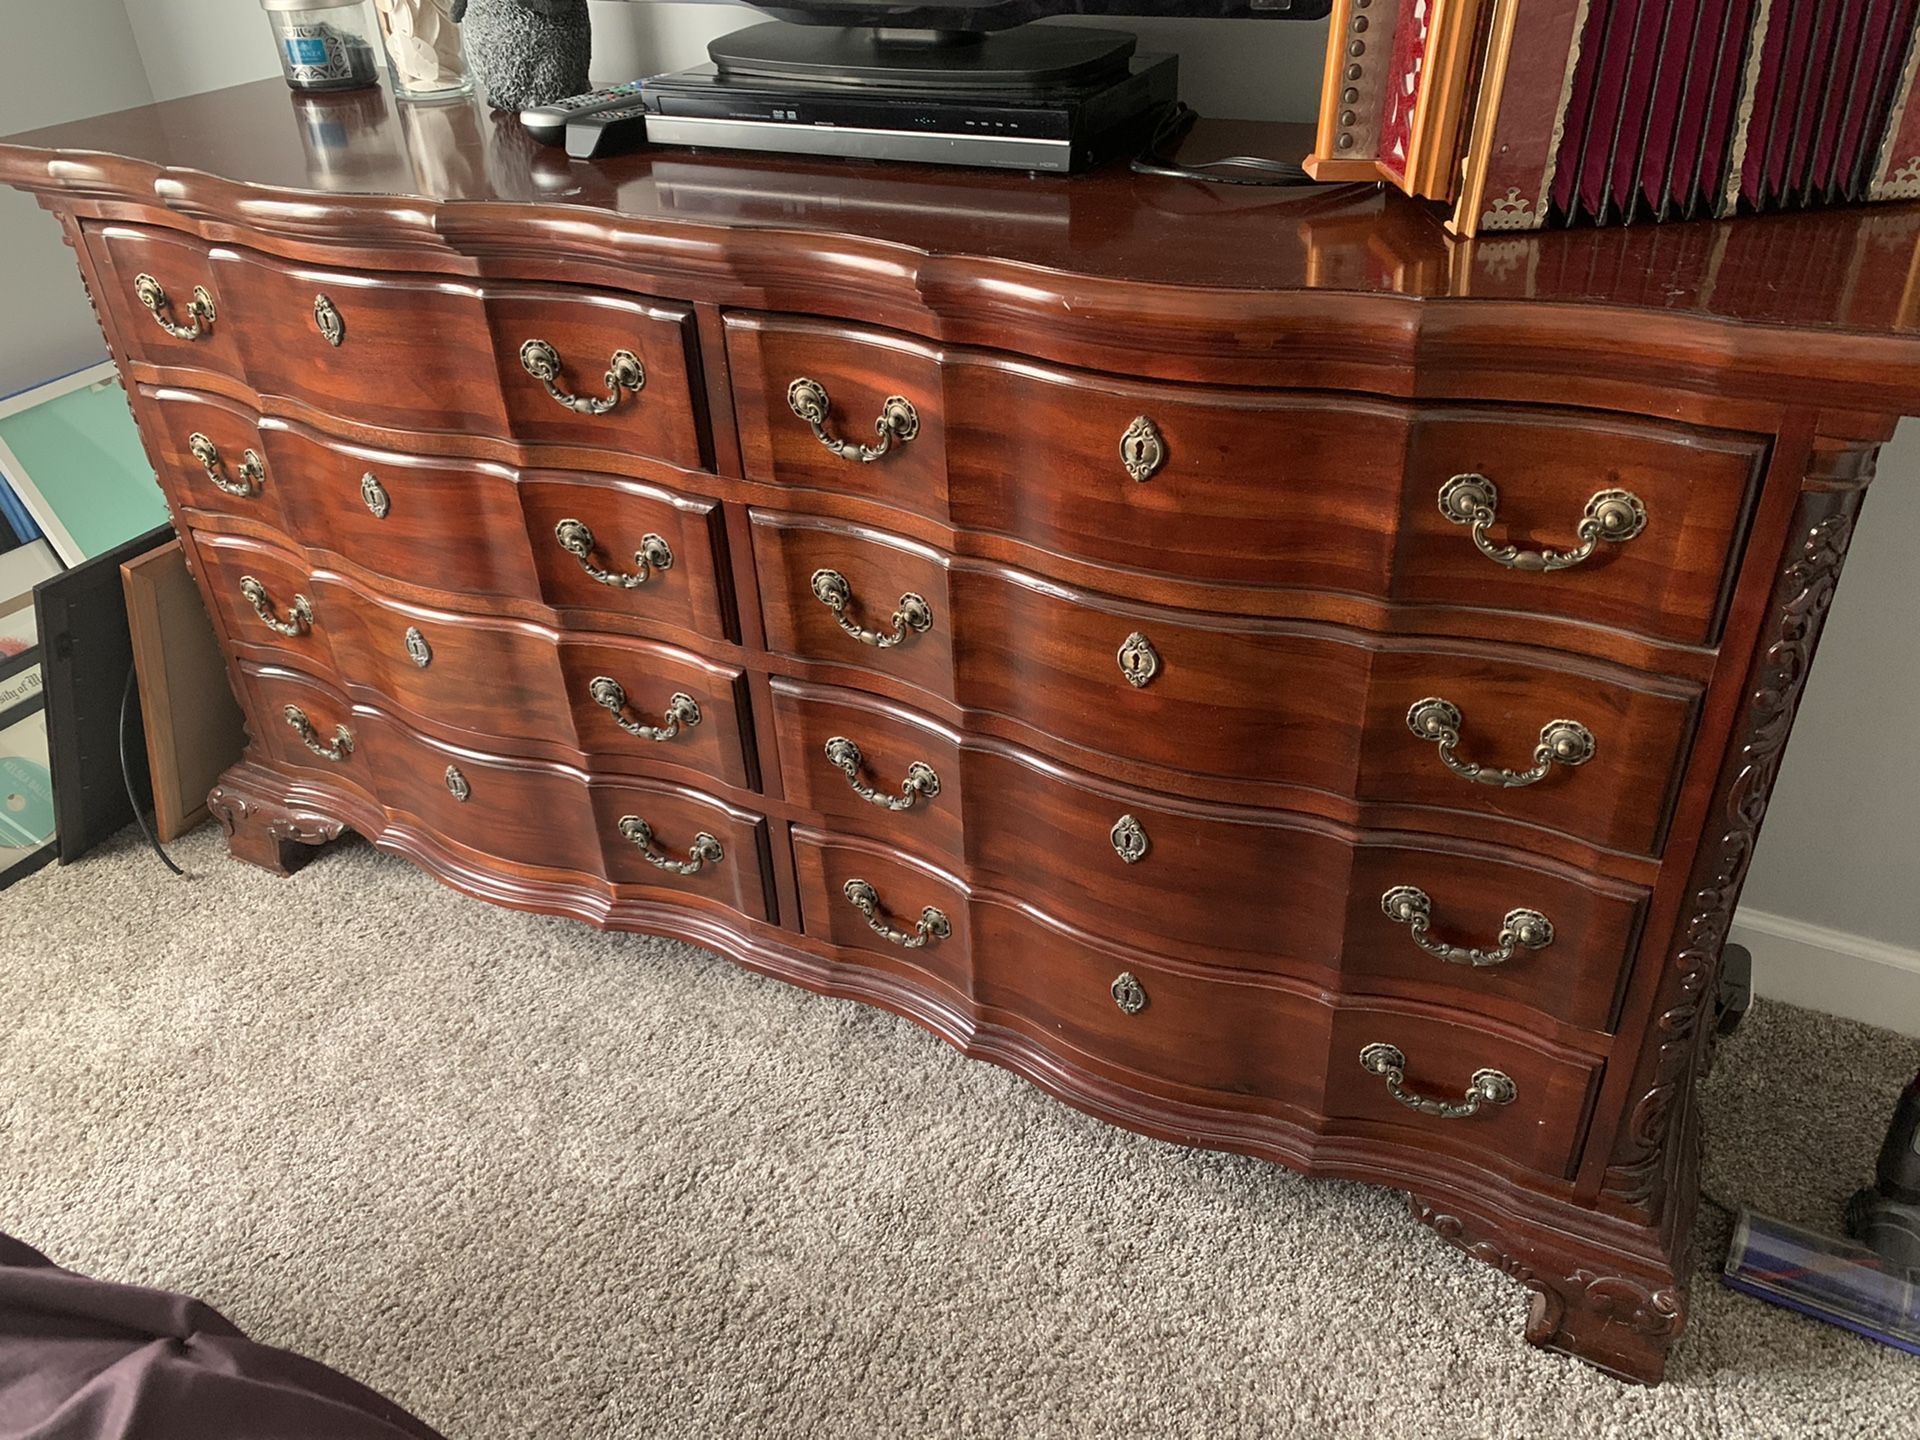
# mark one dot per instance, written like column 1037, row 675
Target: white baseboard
column 1832, row 970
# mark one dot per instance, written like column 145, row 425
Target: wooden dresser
column 1274, row 678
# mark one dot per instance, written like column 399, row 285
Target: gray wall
column 1842, row 848
column 57, row 62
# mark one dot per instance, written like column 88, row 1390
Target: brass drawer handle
column 337, row 752
column 654, row 554
column 704, row 851
column 625, row 373
column 1562, row 742
column 152, row 294
column 898, row 421
column 1520, row 930
column 683, row 711
column 933, row 925
column 253, row 474
column 299, row 619
column 1615, row 516
column 831, row 589
column 921, row 782
column 1487, row 1087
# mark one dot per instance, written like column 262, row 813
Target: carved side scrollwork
column 1802, row 596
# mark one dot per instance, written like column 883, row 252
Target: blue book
column 15, row 519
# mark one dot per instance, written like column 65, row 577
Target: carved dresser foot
column 1617, row 1312
column 264, row 827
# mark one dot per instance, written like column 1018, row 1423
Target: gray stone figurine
column 527, row 52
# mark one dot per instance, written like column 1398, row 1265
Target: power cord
column 1172, row 127
column 126, row 775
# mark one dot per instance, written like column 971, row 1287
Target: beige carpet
column 533, row 1181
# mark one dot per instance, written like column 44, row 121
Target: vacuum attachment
column 1871, row 1287
column 1826, row 1277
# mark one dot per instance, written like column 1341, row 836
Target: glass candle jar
column 425, row 53
column 324, row 44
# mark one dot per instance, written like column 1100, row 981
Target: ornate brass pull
column 1615, row 516
column 704, row 851
column 844, row 755
column 298, row 620
column 1520, row 930
column 253, row 474
column 1562, row 742
column 152, row 294
column 1487, row 1087
column 830, row 588
column 625, row 373
column 898, row 421
column 654, row 554
column 933, row 925
column 337, row 752
column 683, row 711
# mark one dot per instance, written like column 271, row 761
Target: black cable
column 126, row 775
column 1172, row 127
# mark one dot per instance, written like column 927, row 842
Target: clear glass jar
column 425, row 52
column 324, row 44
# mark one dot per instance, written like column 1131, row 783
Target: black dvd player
column 1067, row 129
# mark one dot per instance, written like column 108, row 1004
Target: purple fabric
column 83, row 1359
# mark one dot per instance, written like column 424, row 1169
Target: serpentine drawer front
column 1265, row 709
column 1209, row 1034
column 1247, row 889
column 1276, row 677
column 571, row 367
column 1635, row 521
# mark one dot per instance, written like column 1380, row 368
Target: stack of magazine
column 74, row 483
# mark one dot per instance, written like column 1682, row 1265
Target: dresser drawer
column 1272, row 1048
column 625, row 704
column 1262, row 489
column 461, row 526
column 1271, row 708
column 1250, row 889
column 630, row 552
column 413, row 352
column 625, row 379
column 1262, row 1045
column 209, row 455
column 661, row 836
column 451, row 525
column 523, row 363
column 900, row 907
column 540, row 364
column 638, row 835
column 263, row 597
column 168, row 296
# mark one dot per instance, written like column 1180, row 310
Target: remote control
column 607, row 132
column 548, row 123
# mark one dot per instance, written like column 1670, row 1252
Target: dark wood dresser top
column 1839, row 270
